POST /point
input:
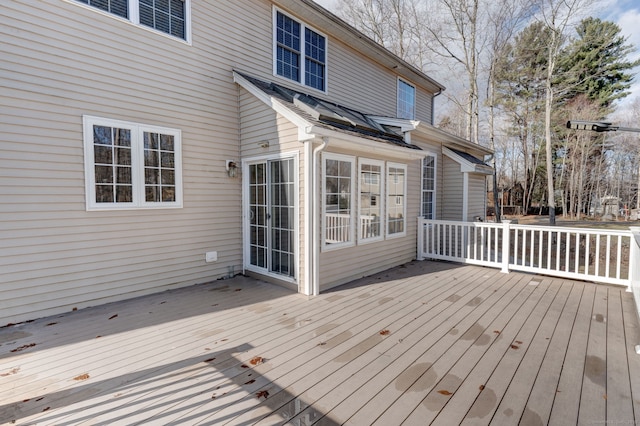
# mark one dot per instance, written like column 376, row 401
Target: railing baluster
column 558, row 240
column 587, row 252
column 619, row 257
column 608, row 257
column 577, row 261
column 597, row 258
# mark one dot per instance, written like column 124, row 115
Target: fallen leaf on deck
column 518, row 342
column 515, row 347
column 51, row 323
column 23, row 347
column 444, row 392
column 262, row 394
column 385, row 332
column 256, row 360
column 244, row 366
column 10, row 372
column 40, row 399
column 162, row 303
column 481, row 387
column 84, row 376
column 224, row 340
column 209, row 360
column 321, row 344
column 74, row 309
column 238, row 289
column 113, row 316
column 250, row 381
column 46, row 409
column 496, row 331
column 97, row 337
column 26, row 400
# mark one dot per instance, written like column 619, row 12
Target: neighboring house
column 147, row 146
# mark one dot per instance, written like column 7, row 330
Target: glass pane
column 102, row 135
column 104, row 174
column 151, row 176
column 123, row 175
column 104, row 194
column 151, row 158
column 166, row 142
column 102, row 154
column 122, row 137
column 150, row 140
column 168, row 193
column 124, row 194
column 168, row 177
column 123, row 156
column 152, row 194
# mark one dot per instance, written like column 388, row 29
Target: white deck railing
column 605, row 256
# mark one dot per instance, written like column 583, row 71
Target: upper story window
column 130, row 165
column 300, row 52
column 406, row 100
column 167, row 16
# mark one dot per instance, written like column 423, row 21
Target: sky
column 625, row 13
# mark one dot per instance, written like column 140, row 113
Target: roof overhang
column 308, row 131
column 456, row 142
column 467, row 166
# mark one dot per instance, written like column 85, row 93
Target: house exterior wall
column 477, row 196
column 62, row 60
column 452, row 200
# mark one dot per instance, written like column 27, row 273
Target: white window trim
column 245, row 227
column 415, row 95
column 381, row 201
column 435, row 184
column 303, row 25
column 404, row 207
column 353, row 214
column 134, row 18
column 137, row 160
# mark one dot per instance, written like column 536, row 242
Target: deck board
column 184, row 356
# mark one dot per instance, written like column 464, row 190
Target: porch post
column 506, row 243
column 420, row 239
column 634, row 269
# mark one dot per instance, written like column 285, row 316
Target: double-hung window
column 406, row 100
column 370, row 227
column 167, row 16
column 428, row 201
column 300, row 52
column 396, row 199
column 130, row 165
column 338, row 200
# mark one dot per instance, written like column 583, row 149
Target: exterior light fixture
column 232, row 168
column 263, row 144
column 598, row 126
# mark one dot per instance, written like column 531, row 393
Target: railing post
column 506, row 243
column 634, row 260
column 420, row 239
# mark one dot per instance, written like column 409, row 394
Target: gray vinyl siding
column 62, row 60
column 56, row 256
column 452, row 191
column 477, row 196
column 259, row 123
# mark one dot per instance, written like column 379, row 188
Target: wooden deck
column 424, row 343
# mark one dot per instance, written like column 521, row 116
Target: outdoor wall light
column 263, row 144
column 232, row 168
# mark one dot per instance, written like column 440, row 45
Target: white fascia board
column 302, row 124
column 363, row 144
column 466, row 166
column 403, row 124
column 445, row 138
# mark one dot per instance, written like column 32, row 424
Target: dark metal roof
column 470, row 158
column 330, row 115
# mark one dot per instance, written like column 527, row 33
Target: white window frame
column 137, row 164
column 134, row 18
column 401, row 102
column 353, row 214
column 435, row 186
column 303, row 26
column 404, row 206
column 381, row 200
